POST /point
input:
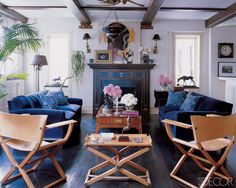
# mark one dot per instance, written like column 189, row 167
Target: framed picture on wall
column 225, row 50
column 226, row 69
column 103, row 56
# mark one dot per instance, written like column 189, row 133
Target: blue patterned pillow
column 190, row 103
column 175, row 99
column 60, row 97
column 47, row 101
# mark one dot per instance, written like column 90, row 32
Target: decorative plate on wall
column 225, row 50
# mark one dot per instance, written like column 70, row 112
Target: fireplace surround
column 132, row 78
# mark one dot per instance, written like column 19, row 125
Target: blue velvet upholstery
column 48, row 101
column 190, row 103
column 175, row 99
column 60, row 97
column 30, row 105
column 206, row 105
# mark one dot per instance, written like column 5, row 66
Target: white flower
column 129, row 99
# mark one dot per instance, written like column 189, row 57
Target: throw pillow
column 60, row 97
column 175, row 99
column 190, row 103
column 47, row 101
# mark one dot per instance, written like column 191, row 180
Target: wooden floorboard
column 77, row 160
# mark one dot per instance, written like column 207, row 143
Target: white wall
column 163, row 60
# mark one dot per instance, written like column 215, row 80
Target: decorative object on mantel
column 128, row 55
column 129, row 101
column 111, row 95
column 103, row 56
column 156, row 37
column 38, row 62
column 87, row 37
column 145, row 54
column 225, row 50
column 165, row 82
column 184, row 78
column 227, row 69
column 78, row 64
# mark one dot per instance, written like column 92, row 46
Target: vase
column 145, row 59
column 129, row 108
column 107, row 109
column 164, row 88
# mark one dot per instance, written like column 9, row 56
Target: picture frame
column 227, row 69
column 225, row 50
column 103, row 56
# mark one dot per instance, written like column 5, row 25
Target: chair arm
column 75, row 101
column 176, row 123
column 59, row 124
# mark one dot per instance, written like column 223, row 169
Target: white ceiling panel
column 32, row 2
column 186, row 15
column 101, row 15
column 198, row 3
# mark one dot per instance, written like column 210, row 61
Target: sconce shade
column 39, row 60
column 86, row 36
column 156, row 37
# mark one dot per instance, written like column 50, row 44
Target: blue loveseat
column 206, row 105
column 31, row 105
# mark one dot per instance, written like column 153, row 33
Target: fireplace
column 132, row 78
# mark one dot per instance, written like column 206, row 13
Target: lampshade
column 156, row 37
column 86, row 36
column 39, row 60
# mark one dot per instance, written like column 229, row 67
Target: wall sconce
column 156, row 37
column 87, row 37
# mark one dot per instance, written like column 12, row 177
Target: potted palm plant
column 18, row 38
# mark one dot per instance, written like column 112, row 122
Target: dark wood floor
column 76, row 161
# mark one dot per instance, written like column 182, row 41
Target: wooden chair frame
column 199, row 145
column 42, row 148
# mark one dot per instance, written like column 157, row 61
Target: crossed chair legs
column 35, row 162
column 198, row 161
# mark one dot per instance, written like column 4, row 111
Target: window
column 187, row 58
column 58, row 57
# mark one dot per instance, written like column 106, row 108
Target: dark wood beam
column 192, row 9
column 221, row 17
column 4, row 10
column 153, row 8
column 79, row 13
column 116, row 8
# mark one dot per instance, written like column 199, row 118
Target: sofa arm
column 75, row 101
column 53, row 115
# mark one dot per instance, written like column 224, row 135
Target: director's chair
column 211, row 133
column 25, row 133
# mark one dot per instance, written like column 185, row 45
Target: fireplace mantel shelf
column 120, row 66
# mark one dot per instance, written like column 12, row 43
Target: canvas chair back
column 209, row 128
column 28, row 128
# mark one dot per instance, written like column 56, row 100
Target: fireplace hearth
column 132, row 78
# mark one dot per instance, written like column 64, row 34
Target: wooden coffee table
column 117, row 122
column 121, row 159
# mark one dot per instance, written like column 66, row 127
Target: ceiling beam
column 4, row 10
column 221, row 17
column 115, row 8
column 79, row 13
column 153, row 8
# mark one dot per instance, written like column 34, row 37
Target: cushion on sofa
column 190, row 103
column 175, row 99
column 70, row 107
column 68, row 114
column 34, row 99
column 21, row 102
column 47, row 101
column 60, row 97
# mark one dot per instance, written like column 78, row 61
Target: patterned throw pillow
column 190, row 103
column 175, row 99
column 47, row 101
column 60, row 97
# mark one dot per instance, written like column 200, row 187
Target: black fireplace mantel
column 120, row 66
column 133, row 78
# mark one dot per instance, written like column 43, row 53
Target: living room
column 159, row 28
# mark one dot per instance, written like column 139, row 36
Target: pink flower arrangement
column 113, row 91
column 165, row 81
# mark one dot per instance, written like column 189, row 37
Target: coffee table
column 117, row 122
column 94, row 143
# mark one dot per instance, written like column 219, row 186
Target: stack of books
column 132, row 113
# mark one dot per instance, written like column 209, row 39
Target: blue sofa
column 206, row 105
column 30, row 105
